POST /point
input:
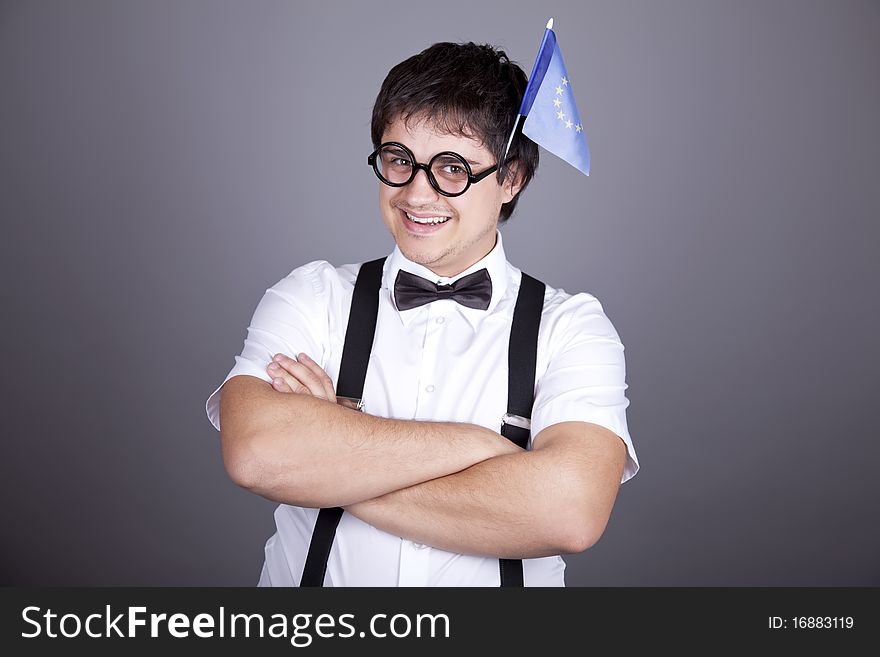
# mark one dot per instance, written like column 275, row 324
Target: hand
column 300, row 375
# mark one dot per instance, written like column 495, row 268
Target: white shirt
column 444, row 362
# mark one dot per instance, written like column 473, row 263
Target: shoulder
column 309, row 292
column 316, row 279
column 567, row 316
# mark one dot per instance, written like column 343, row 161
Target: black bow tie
column 473, row 290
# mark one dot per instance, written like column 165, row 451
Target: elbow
column 581, row 523
column 575, row 530
column 584, row 505
column 249, row 466
column 240, row 461
column 253, row 465
column 578, row 537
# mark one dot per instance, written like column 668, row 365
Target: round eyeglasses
column 448, row 172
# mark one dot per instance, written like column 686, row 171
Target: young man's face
column 448, row 248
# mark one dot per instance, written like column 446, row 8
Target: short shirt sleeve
column 291, row 318
column 585, row 378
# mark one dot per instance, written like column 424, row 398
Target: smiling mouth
column 426, row 221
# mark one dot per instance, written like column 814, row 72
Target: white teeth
column 427, row 220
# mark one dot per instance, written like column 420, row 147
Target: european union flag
column 552, row 118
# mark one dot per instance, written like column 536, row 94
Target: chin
column 421, row 256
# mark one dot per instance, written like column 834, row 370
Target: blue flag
column 552, row 118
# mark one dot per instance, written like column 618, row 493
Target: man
column 429, row 493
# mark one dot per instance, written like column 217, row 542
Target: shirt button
column 419, row 546
column 440, row 320
column 429, row 389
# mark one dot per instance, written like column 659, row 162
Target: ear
column 512, row 182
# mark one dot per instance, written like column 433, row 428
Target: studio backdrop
column 163, row 163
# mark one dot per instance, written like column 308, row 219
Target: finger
column 323, row 377
column 293, row 385
column 279, row 384
column 292, row 370
column 284, row 381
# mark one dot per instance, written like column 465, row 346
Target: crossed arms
column 455, row 486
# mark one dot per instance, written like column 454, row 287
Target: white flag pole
column 518, row 117
column 510, row 140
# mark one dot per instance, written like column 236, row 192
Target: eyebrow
column 466, row 159
column 469, row 160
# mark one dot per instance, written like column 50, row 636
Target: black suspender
column 522, row 355
column 352, row 373
column 521, row 360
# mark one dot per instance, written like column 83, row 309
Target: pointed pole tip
column 550, row 24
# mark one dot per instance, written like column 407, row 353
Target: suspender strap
column 360, row 330
column 319, row 548
column 522, row 362
column 352, row 374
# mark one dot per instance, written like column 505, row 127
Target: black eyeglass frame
column 415, row 166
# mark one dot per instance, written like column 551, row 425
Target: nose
column 420, row 192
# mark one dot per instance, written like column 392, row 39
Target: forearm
column 555, row 499
column 310, row 452
column 511, row 506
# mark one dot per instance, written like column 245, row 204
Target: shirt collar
column 495, row 262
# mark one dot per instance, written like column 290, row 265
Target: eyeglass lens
column 449, row 171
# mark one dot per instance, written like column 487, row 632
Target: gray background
column 163, row 163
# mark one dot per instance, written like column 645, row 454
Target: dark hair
column 465, row 89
